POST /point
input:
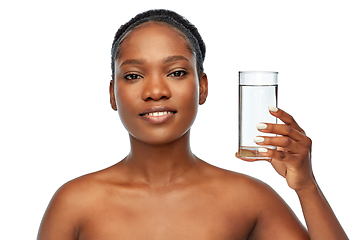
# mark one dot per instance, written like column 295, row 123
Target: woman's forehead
column 152, row 40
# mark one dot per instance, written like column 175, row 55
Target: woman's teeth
column 156, row 114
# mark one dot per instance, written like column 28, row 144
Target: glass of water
column 257, row 91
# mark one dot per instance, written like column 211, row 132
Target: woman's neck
column 161, row 165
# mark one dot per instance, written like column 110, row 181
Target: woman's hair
column 191, row 34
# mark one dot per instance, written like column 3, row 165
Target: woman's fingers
column 286, row 118
column 291, row 142
column 284, row 130
column 286, row 143
column 282, row 161
column 289, row 151
column 274, row 154
column 280, row 129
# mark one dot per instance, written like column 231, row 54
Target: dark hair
column 171, row 18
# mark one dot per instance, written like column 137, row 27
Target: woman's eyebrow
column 132, row 61
column 175, row 58
column 166, row 60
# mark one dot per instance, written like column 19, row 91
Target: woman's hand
column 292, row 157
column 292, row 160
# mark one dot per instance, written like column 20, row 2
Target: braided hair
column 171, row 18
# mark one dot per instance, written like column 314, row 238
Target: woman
column 161, row 190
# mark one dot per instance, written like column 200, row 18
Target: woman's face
column 156, row 89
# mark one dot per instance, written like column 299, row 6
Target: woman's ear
column 203, row 89
column 112, row 95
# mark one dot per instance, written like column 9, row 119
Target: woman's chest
column 194, row 217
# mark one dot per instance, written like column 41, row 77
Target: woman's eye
column 132, row 76
column 178, row 73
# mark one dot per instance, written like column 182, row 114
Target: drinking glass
column 257, row 91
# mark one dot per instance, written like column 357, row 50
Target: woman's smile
column 158, row 114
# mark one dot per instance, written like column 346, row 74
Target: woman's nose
column 155, row 89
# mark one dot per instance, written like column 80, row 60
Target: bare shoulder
column 78, row 189
column 239, row 182
column 273, row 217
column 250, row 194
column 68, row 206
column 256, row 194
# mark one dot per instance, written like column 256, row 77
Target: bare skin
column 161, row 190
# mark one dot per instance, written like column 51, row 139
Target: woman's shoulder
column 85, row 188
column 73, row 202
column 240, row 183
column 242, row 195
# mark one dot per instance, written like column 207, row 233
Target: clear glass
column 257, row 91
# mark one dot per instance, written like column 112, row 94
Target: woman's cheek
column 125, row 105
column 190, row 98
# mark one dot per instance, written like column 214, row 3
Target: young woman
column 161, row 190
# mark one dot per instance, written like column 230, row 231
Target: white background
column 56, row 122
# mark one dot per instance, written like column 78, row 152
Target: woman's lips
column 158, row 114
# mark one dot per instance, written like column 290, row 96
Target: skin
column 161, row 190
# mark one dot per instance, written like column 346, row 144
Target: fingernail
column 259, row 139
column 262, row 150
column 273, row 109
column 261, row 126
